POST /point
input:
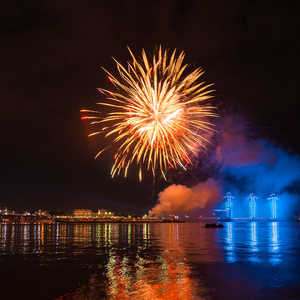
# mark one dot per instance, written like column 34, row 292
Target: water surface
column 150, row 261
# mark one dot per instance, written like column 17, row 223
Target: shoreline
column 86, row 221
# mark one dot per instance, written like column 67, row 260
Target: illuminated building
column 5, row 211
column 82, row 213
column 102, row 213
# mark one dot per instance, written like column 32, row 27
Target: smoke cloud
column 256, row 166
column 238, row 150
column 244, row 165
column 177, row 199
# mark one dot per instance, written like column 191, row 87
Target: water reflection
column 229, row 244
column 253, row 257
column 148, row 276
column 274, row 246
column 254, row 248
column 135, row 269
column 147, row 261
column 125, row 260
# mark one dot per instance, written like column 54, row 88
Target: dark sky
column 50, row 60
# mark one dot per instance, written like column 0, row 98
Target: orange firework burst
column 157, row 117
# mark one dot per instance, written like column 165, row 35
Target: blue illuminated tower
column 228, row 205
column 252, row 205
column 273, row 206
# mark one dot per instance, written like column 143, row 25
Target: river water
column 150, row 261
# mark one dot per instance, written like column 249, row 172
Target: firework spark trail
column 157, row 118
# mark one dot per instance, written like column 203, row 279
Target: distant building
column 82, row 213
column 5, row 211
column 41, row 213
column 103, row 213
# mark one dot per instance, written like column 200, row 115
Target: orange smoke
column 177, row 199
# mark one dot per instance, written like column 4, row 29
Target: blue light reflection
column 229, row 244
column 253, row 257
column 274, row 246
column 255, row 242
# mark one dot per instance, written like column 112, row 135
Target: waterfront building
column 82, row 213
column 103, row 213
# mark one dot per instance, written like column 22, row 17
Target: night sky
column 51, row 58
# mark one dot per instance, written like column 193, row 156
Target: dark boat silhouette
column 214, row 225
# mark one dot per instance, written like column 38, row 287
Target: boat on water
column 214, row 225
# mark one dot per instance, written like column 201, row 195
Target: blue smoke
column 256, row 166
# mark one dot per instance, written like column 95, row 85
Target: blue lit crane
column 273, row 199
column 228, row 205
column 252, row 205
